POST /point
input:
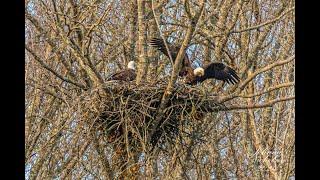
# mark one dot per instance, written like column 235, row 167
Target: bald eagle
column 214, row 70
column 128, row 74
column 174, row 50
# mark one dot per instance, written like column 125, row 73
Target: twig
column 44, row 65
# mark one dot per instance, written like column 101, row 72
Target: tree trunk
column 142, row 49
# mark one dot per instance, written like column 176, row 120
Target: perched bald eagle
column 174, row 50
column 214, row 70
column 128, row 74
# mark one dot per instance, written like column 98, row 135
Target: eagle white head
column 199, row 71
column 132, row 65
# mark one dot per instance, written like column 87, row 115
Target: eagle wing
column 124, row 75
column 159, row 44
column 221, row 72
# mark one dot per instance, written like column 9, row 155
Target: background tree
column 73, row 46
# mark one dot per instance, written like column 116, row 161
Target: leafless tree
column 72, row 47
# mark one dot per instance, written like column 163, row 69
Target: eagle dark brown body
column 124, row 75
column 128, row 74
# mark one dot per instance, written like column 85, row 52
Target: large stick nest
column 127, row 112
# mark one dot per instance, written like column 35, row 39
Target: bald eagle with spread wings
column 192, row 76
column 128, row 74
column 174, row 50
column 217, row 71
